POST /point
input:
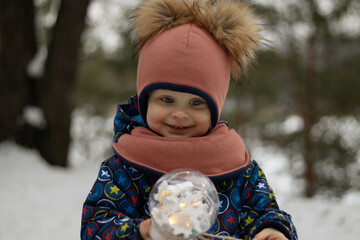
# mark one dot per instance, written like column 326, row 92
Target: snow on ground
column 43, row 202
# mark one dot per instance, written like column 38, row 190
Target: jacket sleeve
column 260, row 209
column 116, row 204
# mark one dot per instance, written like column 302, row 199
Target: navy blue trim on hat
column 145, row 93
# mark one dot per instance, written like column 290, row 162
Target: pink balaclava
column 187, row 59
column 193, row 46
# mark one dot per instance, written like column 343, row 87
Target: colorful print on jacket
column 118, row 200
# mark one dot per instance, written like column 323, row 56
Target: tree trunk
column 17, row 47
column 304, row 91
column 309, row 110
column 310, row 118
column 57, row 84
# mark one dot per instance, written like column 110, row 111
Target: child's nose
column 180, row 114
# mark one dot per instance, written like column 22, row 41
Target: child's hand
column 144, row 229
column 270, row 234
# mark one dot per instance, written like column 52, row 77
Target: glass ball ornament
column 183, row 204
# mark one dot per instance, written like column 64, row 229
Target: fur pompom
column 230, row 22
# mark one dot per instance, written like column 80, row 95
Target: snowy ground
column 43, row 202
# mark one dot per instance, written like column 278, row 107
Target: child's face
column 177, row 114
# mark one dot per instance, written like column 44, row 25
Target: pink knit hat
column 186, row 59
column 193, row 46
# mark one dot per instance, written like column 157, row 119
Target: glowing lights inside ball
column 183, row 204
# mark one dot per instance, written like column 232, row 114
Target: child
column 188, row 49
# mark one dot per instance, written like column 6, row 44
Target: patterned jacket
column 118, row 200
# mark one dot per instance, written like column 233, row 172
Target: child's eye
column 167, row 99
column 196, row 102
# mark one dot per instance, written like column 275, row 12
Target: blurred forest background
column 59, row 57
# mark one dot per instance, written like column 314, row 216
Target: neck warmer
column 219, row 153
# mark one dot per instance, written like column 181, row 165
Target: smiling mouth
column 178, row 127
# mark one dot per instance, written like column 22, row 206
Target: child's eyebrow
column 163, row 95
column 198, row 98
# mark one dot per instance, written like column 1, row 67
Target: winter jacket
column 118, row 200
